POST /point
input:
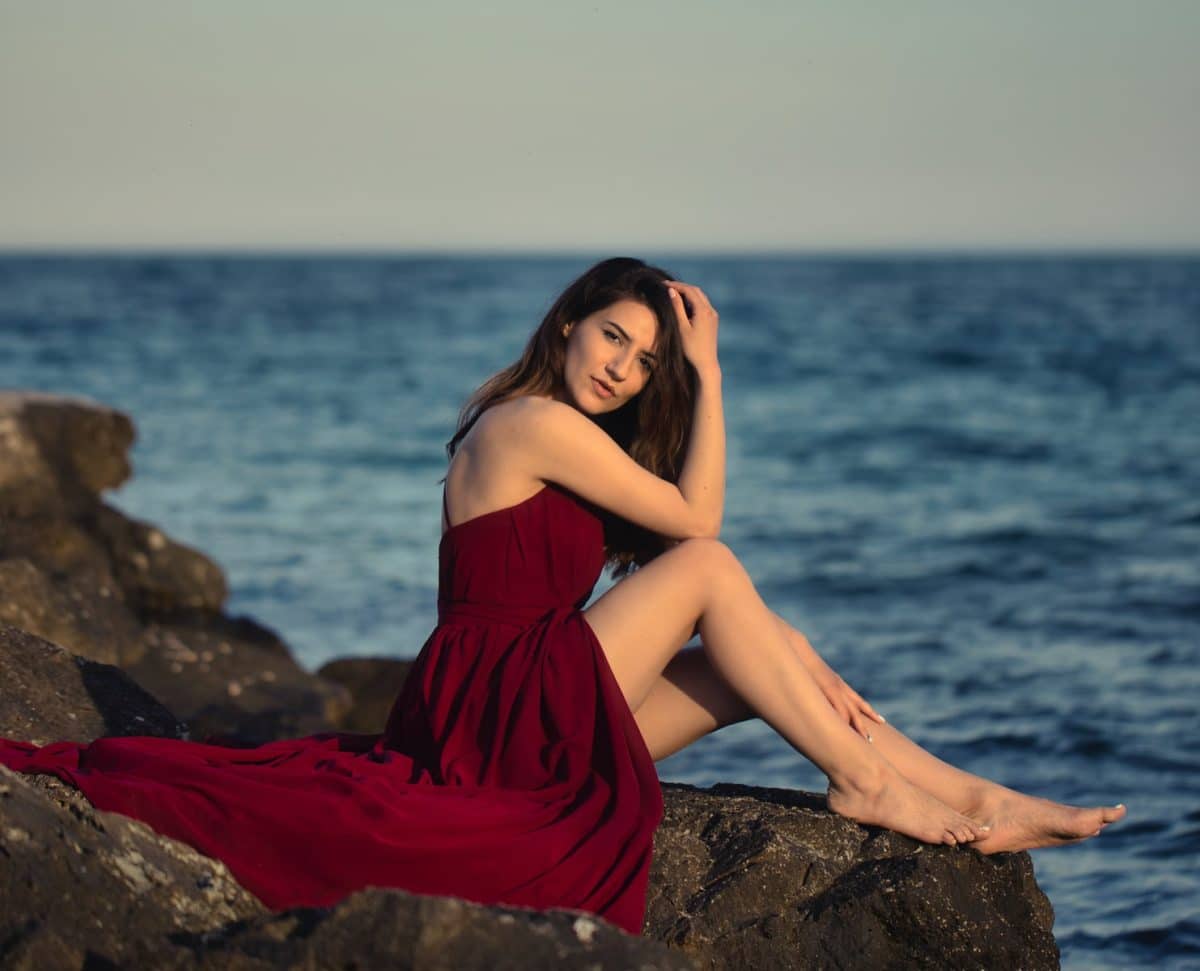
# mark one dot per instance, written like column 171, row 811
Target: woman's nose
column 618, row 367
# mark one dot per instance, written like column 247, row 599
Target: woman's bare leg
column 691, row 699
column 1017, row 821
column 639, row 623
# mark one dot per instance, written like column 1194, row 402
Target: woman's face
column 610, row 357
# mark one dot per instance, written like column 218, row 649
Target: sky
column 545, row 125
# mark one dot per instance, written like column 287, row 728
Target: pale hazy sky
column 545, row 124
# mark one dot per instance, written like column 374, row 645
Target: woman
column 620, row 334
column 517, row 763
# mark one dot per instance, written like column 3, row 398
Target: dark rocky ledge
column 742, row 877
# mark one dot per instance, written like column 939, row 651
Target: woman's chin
column 591, row 403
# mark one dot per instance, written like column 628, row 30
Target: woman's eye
column 649, row 368
column 613, row 335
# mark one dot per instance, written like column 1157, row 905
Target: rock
column 52, row 695
column 67, row 610
column 84, row 889
column 157, row 574
column 84, row 582
column 234, row 680
column 766, row 878
column 386, row 929
column 82, row 574
column 373, row 683
column 58, row 453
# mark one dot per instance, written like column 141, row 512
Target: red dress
column 511, row 769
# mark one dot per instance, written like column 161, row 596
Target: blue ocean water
column 974, row 483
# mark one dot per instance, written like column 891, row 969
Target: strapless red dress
column 510, row 771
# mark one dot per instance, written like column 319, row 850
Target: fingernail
column 1120, row 805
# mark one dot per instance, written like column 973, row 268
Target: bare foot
column 1021, row 822
column 898, row 805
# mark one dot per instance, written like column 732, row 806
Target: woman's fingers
column 871, row 712
column 866, row 707
column 693, row 292
column 860, row 726
column 853, row 717
column 845, row 713
column 698, row 331
column 680, row 309
column 701, row 306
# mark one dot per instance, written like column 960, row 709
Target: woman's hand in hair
column 697, row 332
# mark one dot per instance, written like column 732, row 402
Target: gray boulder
column 768, row 878
column 82, row 574
column 373, row 683
column 234, row 680
column 48, row 694
column 83, row 889
column 58, row 453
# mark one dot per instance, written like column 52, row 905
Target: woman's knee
column 712, row 561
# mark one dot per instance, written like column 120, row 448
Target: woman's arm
column 702, row 478
column 552, row 441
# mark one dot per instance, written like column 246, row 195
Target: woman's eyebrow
column 625, row 334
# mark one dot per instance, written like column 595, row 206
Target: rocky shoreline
column 109, row 627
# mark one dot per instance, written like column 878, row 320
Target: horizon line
column 285, row 251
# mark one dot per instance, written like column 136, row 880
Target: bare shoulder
column 517, row 446
column 494, row 424
column 540, row 439
column 504, row 436
column 521, row 420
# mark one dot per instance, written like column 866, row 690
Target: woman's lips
column 602, row 389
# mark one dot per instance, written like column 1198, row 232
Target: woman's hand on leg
column 848, row 703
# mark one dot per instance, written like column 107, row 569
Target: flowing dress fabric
column 510, row 771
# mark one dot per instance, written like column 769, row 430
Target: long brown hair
column 653, row 428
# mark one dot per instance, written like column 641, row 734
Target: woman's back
column 483, row 476
column 542, row 552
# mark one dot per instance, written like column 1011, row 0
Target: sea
column 973, row 481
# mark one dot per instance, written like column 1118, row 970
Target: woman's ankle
column 866, row 781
